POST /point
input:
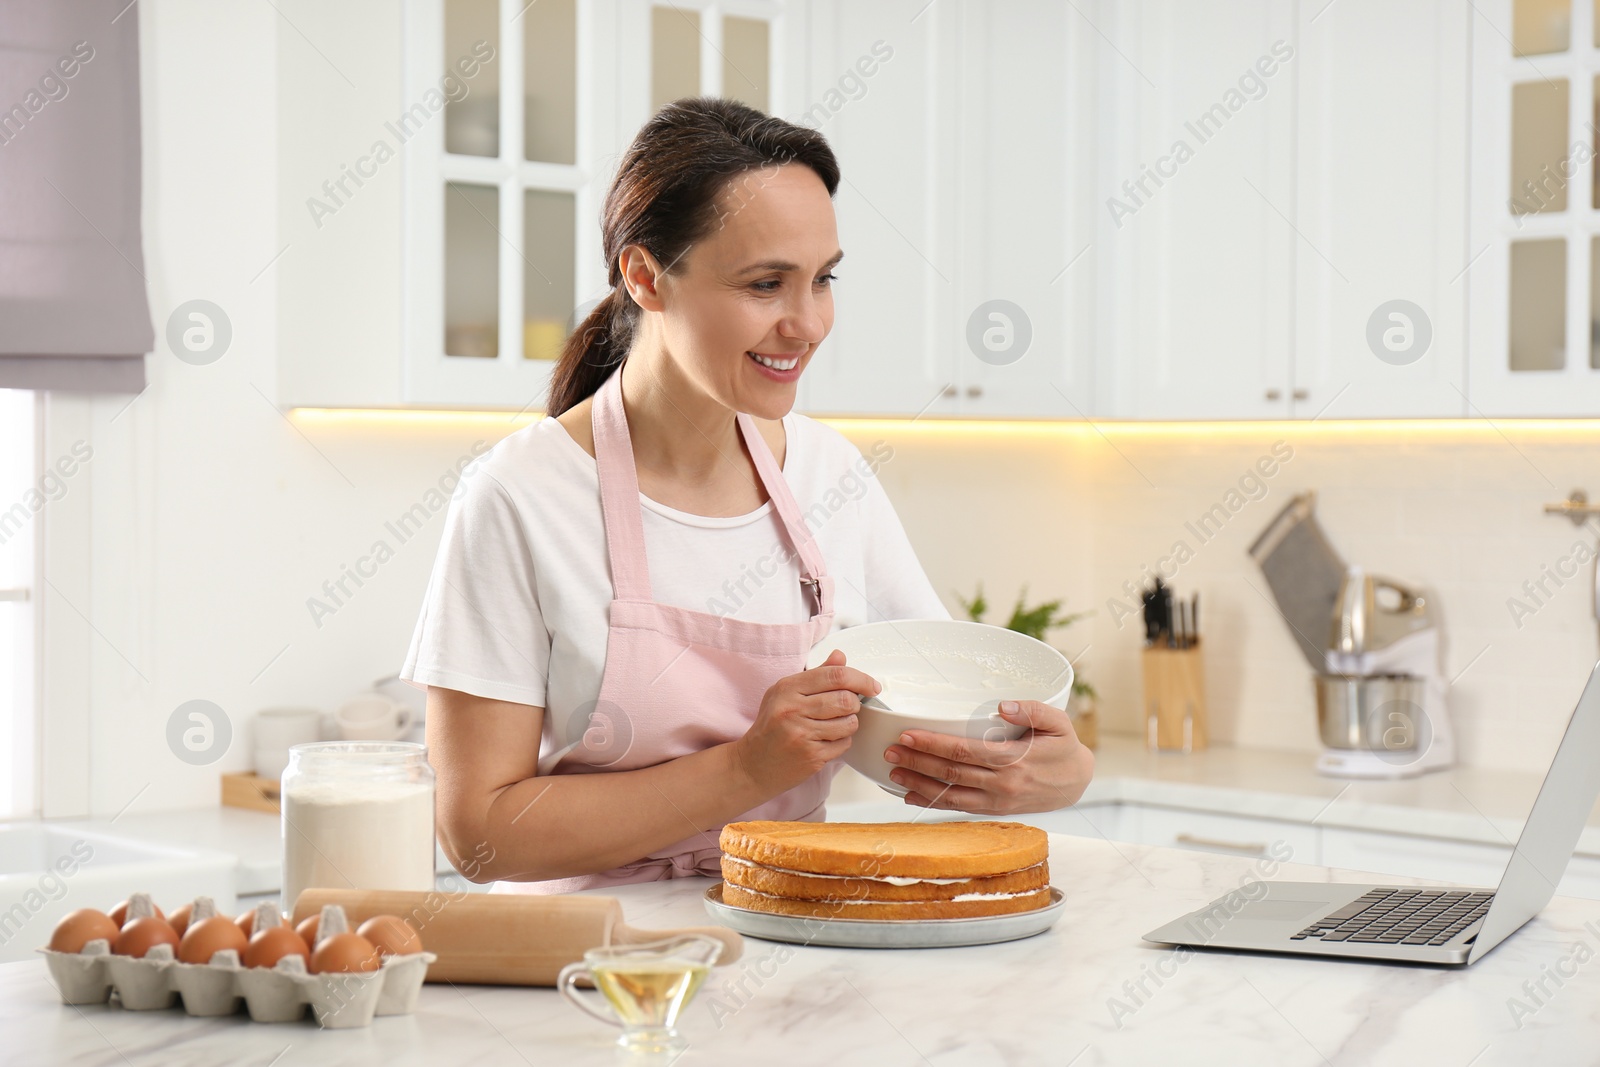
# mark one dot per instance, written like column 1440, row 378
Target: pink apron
column 679, row 681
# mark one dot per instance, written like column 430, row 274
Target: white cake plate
column 885, row 933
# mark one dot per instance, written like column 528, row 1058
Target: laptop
column 1418, row 924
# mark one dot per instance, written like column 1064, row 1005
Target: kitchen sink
column 50, row 869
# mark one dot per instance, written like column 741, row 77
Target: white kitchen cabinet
column 1463, row 862
column 1582, row 878
column 1024, row 160
column 1380, row 205
column 1248, row 271
column 1197, row 207
column 965, row 154
column 1535, row 285
column 1106, row 821
column 875, row 80
column 1467, row 863
column 1196, row 200
column 1230, row 835
column 440, row 221
column 339, row 276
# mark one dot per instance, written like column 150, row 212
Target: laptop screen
column 1551, row 833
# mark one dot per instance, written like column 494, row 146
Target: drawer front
column 1227, row 835
column 1095, row 820
column 1462, row 862
column 1582, row 878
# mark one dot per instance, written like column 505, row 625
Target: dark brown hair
column 665, row 198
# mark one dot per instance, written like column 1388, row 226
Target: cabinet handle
column 1274, row 394
column 1302, row 394
column 1224, row 846
column 974, row 390
column 949, row 390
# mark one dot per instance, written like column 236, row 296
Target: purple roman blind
column 73, row 311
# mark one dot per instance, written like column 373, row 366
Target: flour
column 943, row 686
column 357, row 835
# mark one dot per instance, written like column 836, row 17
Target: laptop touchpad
column 1281, row 909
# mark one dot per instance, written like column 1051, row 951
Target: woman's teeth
column 775, row 364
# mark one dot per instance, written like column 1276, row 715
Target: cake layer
column 902, row 849
column 803, row 885
column 740, row 897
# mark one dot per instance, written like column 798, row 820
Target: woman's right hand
column 805, row 720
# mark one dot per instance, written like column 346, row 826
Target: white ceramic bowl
column 944, row 676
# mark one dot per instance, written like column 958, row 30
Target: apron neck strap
column 800, row 539
column 619, row 500
column 619, row 492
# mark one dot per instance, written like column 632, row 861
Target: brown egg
column 391, row 935
column 208, row 937
column 119, row 914
column 142, row 935
column 344, row 952
column 308, row 930
column 274, row 943
column 81, row 927
column 180, row 918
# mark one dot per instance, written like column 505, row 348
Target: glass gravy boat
column 646, row 987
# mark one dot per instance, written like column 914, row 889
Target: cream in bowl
column 943, row 676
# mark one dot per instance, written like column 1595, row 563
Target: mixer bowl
column 1375, row 713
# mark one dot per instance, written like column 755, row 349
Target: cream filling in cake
column 888, row 878
column 962, row 896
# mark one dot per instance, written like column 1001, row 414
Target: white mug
column 373, row 717
column 276, row 729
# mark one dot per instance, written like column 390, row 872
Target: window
column 22, row 495
column 504, row 196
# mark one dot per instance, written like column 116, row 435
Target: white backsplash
column 1458, row 509
column 191, row 599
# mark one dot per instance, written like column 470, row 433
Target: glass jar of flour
column 357, row 815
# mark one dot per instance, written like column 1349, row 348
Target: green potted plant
column 1036, row 622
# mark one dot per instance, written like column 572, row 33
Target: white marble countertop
column 1088, row 991
column 255, row 837
column 1484, row 805
column 1481, row 805
column 1466, row 804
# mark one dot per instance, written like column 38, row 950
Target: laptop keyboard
column 1401, row 917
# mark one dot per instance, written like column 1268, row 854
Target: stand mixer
column 1381, row 708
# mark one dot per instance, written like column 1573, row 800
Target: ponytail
column 593, row 351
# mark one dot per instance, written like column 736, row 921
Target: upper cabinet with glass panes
column 504, row 206
column 1535, row 280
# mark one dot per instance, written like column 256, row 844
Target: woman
column 614, row 637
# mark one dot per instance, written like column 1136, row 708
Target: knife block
column 1174, row 699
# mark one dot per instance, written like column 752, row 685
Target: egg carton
column 278, row 994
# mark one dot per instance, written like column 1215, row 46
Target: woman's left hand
column 1044, row 769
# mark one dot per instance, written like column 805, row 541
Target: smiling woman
column 708, row 191
column 588, row 722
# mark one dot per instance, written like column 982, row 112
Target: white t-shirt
column 518, row 603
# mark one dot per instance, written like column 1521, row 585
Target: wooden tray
column 246, row 790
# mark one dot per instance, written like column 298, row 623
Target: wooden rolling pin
column 503, row 939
